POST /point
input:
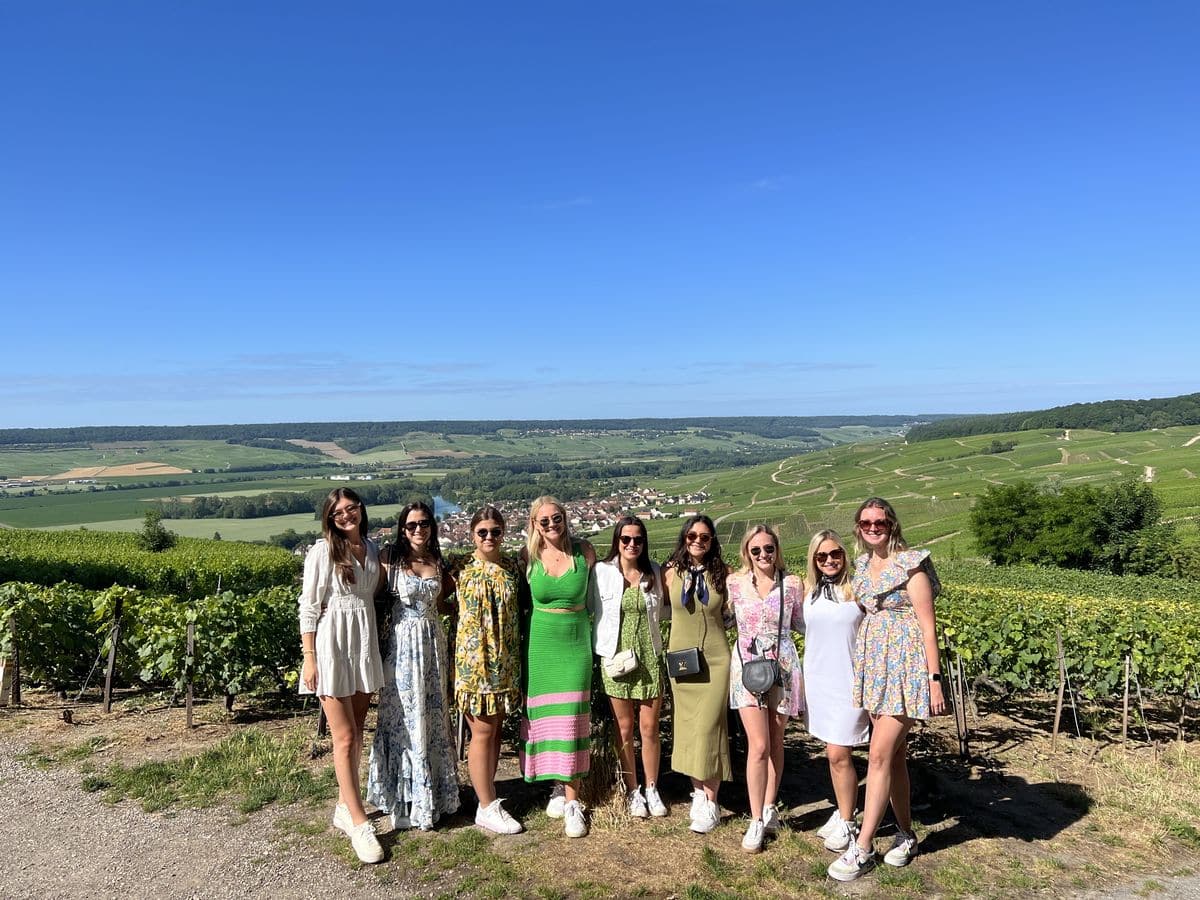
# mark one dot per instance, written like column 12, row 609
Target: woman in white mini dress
column 341, row 649
column 831, row 621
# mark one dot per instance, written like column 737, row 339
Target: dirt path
column 1191, row 441
column 66, row 843
column 329, row 448
column 1149, row 474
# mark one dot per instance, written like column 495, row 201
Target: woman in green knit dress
column 626, row 607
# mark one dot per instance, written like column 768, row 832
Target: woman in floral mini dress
column 897, row 675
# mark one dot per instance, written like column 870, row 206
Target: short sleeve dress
column 487, row 642
column 891, row 674
column 343, row 617
column 831, row 623
column 757, row 621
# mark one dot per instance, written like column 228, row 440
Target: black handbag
column 761, row 674
column 682, row 663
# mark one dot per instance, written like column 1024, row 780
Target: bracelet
column 309, row 652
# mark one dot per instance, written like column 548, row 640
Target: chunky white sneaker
column 558, row 799
column 366, row 845
column 770, row 818
column 495, row 817
column 835, row 819
column 637, row 805
column 341, row 818
column 852, row 864
column 698, row 801
column 654, row 803
column 753, row 840
column 706, row 818
column 904, row 848
column 574, row 825
column 842, row 834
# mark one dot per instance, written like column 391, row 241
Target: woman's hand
column 308, row 672
column 937, row 700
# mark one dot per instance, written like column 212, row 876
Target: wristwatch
column 935, row 676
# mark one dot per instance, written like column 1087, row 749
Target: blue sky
column 249, row 211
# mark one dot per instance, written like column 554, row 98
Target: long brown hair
column 714, row 565
column 339, row 547
column 400, row 551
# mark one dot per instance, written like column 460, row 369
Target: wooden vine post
column 191, row 655
column 15, row 663
column 112, row 652
column 1125, row 707
column 1062, row 688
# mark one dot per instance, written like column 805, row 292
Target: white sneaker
column 843, row 833
column 852, row 864
column 753, row 840
column 904, row 848
column 698, row 801
column 707, row 817
column 341, row 818
column 654, row 803
column 637, row 805
column 495, row 817
column 558, row 799
column 366, row 845
column 835, row 819
column 770, row 818
column 574, row 825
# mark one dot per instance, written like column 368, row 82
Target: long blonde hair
column 534, row 542
column 895, row 535
column 842, row 583
column 744, row 552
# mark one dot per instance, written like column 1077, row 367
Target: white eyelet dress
column 343, row 616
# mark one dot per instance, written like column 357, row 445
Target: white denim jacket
column 605, row 605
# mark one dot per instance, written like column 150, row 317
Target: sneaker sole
column 555, row 814
column 899, row 864
column 837, row 847
column 757, row 849
column 848, row 876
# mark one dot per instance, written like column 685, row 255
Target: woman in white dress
column 831, row 620
column 412, row 773
column 341, row 649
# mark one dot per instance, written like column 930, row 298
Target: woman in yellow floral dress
column 487, row 658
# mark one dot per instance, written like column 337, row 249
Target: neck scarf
column 824, row 589
column 695, row 587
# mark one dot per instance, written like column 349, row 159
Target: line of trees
column 1117, row 529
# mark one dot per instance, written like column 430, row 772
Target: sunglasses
column 874, row 525
column 627, row 539
column 832, row 555
column 484, row 533
column 414, row 527
column 345, row 511
column 547, row 521
column 764, row 550
column 698, row 537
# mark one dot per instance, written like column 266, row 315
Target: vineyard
column 59, row 595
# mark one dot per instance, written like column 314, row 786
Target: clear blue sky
column 248, row 211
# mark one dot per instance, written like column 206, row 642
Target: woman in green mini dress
column 626, row 607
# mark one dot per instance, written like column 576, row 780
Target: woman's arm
column 449, row 586
column 311, row 598
column 920, row 594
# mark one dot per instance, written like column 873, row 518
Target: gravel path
column 58, row 841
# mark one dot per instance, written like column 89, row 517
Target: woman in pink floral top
column 754, row 599
column 897, row 675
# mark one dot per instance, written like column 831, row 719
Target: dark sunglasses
column 547, row 521
column 414, row 527
column 764, row 550
column 627, row 539
column 874, row 524
column 698, row 537
column 484, row 533
column 835, row 555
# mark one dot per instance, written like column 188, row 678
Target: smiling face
column 763, row 551
column 551, row 521
column 418, row 528
column 874, row 527
column 632, row 540
column 697, row 540
column 487, row 536
column 346, row 517
column 829, row 559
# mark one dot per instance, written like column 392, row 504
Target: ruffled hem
column 474, row 704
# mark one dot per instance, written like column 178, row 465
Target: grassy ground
column 1020, row 818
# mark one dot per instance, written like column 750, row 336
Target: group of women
column 527, row 629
